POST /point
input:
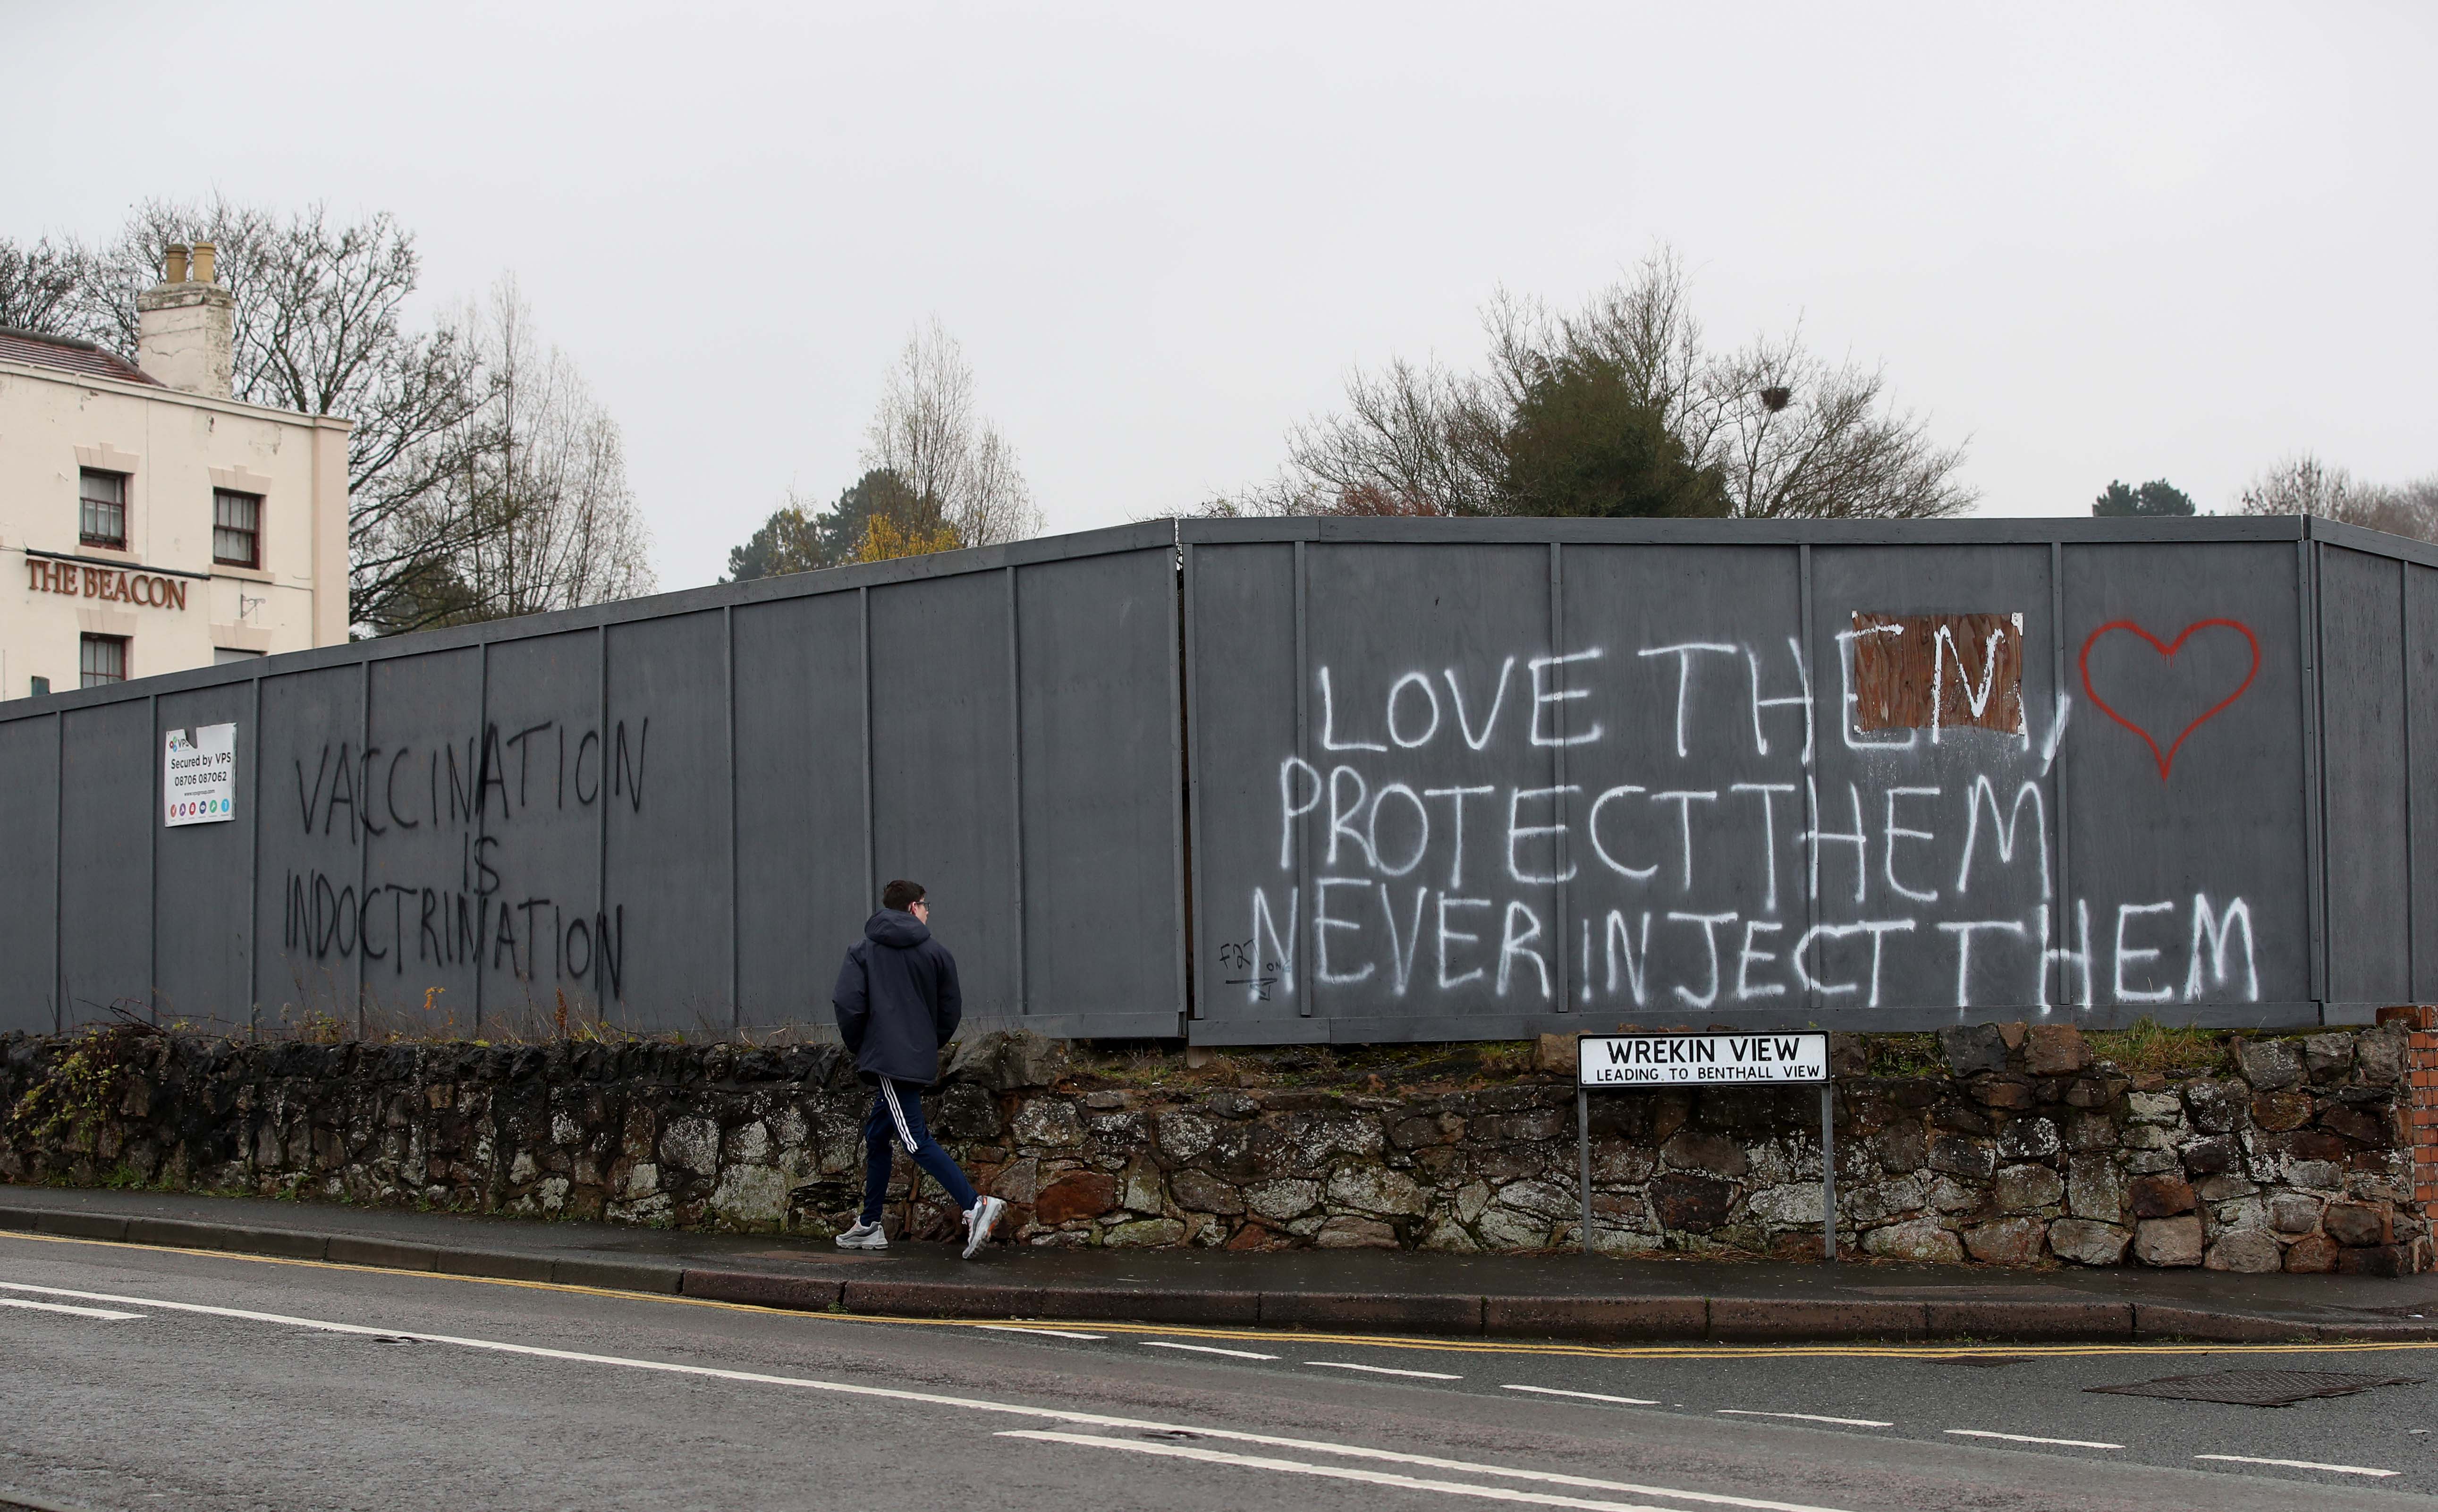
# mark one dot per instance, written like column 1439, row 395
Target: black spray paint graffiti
column 1688, row 888
column 361, row 780
column 453, row 927
column 494, row 777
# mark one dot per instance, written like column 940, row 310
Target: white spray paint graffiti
column 1743, row 887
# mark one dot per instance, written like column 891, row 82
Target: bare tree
column 929, row 432
column 2416, row 509
column 46, row 287
column 1420, row 438
column 542, row 474
column 2303, row 485
column 1788, row 434
column 1832, row 448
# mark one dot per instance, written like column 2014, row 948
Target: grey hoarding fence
column 1486, row 778
column 674, row 813
column 1440, row 779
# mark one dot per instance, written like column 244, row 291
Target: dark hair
column 901, row 895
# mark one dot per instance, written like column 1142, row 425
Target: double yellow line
column 1424, row 1344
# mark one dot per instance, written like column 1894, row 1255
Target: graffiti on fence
column 479, row 789
column 1650, row 829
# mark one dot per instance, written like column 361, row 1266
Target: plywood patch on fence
column 1938, row 671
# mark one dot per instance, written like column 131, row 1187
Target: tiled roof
column 69, row 354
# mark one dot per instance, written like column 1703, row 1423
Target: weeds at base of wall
column 85, row 1082
column 83, row 1086
column 378, row 1022
column 2145, row 1047
column 1906, row 1055
column 561, row 1021
column 2149, row 1048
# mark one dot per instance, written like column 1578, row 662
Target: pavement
column 139, row 1376
column 1553, row 1297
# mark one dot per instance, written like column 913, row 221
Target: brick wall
column 2421, row 1108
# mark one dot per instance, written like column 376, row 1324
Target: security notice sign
column 198, row 776
column 1699, row 1060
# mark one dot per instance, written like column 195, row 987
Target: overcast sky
column 2095, row 242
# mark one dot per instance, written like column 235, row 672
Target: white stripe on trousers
column 897, row 1115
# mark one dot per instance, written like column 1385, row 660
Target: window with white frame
column 237, row 528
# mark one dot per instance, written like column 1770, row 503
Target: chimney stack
column 185, row 325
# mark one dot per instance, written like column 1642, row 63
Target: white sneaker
column 978, row 1223
column 863, row 1237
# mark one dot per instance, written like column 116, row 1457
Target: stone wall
column 2014, row 1146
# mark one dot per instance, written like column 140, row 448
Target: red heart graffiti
column 2166, row 759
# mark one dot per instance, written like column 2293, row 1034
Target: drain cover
column 2258, row 1388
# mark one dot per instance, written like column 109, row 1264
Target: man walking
column 897, row 1003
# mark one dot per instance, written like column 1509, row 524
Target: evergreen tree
column 1583, row 442
column 789, row 541
column 2154, row 499
column 795, row 539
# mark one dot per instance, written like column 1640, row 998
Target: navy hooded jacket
column 896, row 999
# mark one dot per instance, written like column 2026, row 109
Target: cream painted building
column 147, row 521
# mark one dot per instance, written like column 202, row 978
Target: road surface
column 139, row 1378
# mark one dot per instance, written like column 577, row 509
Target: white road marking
column 2299, row 1464
column 1335, row 1472
column 1383, row 1370
column 2026, row 1438
column 844, row 1388
column 1809, row 1417
column 60, row 1307
column 1587, row 1396
column 1204, row 1349
column 1054, row 1333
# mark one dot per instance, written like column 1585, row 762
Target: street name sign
column 1701, row 1060
column 1629, row 1062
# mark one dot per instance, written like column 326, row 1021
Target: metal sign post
column 1829, row 1171
column 1627, row 1063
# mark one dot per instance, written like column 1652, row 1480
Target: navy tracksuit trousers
column 897, row 1119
